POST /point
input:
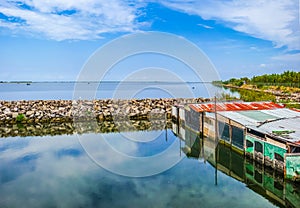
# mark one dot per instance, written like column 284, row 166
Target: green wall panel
column 292, row 166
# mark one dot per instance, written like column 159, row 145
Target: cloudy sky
column 44, row 40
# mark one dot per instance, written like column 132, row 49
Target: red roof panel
column 234, row 106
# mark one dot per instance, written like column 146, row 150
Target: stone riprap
column 45, row 111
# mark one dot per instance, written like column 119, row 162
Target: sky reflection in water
column 56, row 171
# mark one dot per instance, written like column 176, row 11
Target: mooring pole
column 166, row 128
column 216, row 122
column 216, row 142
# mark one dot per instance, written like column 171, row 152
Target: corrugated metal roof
column 281, row 119
column 239, row 118
column 258, row 115
column 288, row 124
column 266, row 117
column 234, row 106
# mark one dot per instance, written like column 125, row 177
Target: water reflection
column 44, row 129
column 55, row 171
column 265, row 181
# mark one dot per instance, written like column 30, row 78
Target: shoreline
column 279, row 95
column 57, row 111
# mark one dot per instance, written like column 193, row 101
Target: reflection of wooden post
column 244, row 144
column 178, row 129
column 179, row 146
column 216, row 169
column 166, row 128
column 284, row 185
column 202, row 130
column 166, row 134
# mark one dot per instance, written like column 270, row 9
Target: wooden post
column 216, row 121
column 216, row 142
column 179, row 147
column 202, row 134
column 178, row 121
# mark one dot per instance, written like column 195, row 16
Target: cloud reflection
column 55, row 172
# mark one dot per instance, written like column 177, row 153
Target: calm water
column 124, row 90
column 85, row 164
column 61, row 171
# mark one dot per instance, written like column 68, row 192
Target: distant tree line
column 287, row 78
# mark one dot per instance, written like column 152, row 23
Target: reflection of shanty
column 263, row 180
column 264, row 131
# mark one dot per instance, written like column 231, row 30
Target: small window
column 258, row 147
column 249, row 143
column 278, row 157
column 295, row 149
column 223, row 131
column 238, row 137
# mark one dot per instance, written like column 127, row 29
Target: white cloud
column 273, row 20
column 205, row 26
column 66, row 19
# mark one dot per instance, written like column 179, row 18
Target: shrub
column 20, row 117
column 240, row 83
column 260, row 85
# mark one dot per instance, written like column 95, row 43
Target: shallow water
column 67, row 171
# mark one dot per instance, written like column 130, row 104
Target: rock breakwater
column 56, row 111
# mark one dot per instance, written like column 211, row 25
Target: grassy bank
column 281, row 88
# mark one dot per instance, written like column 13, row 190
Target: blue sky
column 51, row 40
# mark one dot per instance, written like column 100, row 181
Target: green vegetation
column 237, row 82
column 272, row 87
column 20, row 117
column 249, row 96
column 287, row 78
column 227, row 97
column 292, row 105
